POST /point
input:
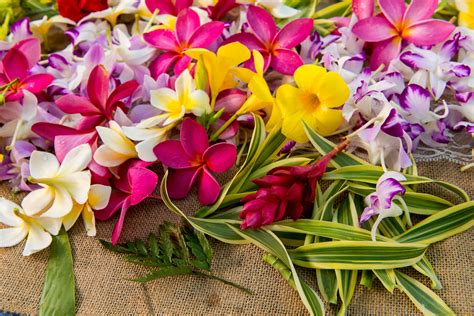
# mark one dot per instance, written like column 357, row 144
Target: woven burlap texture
column 102, row 287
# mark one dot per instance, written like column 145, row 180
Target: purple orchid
column 397, row 23
column 15, row 167
column 275, row 45
column 438, row 68
column 192, row 159
column 133, row 184
column 15, row 70
column 189, row 34
column 381, row 201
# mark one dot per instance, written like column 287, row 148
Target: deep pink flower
column 284, row 192
column 398, row 23
column 275, row 46
column 193, row 160
column 168, row 6
column 15, row 70
column 189, row 34
column 133, row 184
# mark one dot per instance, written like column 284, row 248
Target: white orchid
column 117, row 148
column 37, row 230
column 98, row 198
column 62, row 184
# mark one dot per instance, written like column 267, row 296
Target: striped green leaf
column 425, row 300
column 441, row 225
column 357, row 255
column 387, row 278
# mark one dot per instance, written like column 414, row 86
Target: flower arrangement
column 139, row 96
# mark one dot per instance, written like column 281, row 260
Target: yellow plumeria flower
column 183, row 100
column 218, row 65
column 40, row 28
column 466, row 12
column 116, row 147
column 62, row 184
column 98, row 199
column 37, row 230
column 314, row 101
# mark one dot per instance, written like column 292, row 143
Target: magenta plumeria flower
column 15, row 70
column 168, row 6
column 398, row 23
column 192, row 159
column 133, row 184
column 275, row 45
column 381, row 201
column 189, row 34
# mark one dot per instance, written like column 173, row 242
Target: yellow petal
column 327, row 120
column 89, row 220
column 332, row 91
column 233, row 54
column 260, row 88
column 289, row 98
column 70, row 219
column 258, row 61
column 307, row 77
column 275, row 117
column 99, row 196
column 292, row 127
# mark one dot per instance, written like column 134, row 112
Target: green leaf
column 387, row 278
column 357, row 255
column 58, row 296
column 117, row 248
column 153, row 245
column 441, row 225
column 424, row 299
column 424, row 267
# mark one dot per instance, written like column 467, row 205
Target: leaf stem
column 211, row 276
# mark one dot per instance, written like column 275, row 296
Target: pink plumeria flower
column 401, row 23
column 275, row 45
column 192, row 159
column 168, row 6
column 15, row 70
column 133, row 184
column 189, row 34
column 381, row 202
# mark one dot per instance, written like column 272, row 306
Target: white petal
column 76, row 160
column 51, row 225
column 139, row 133
column 115, row 141
column 145, row 149
column 106, row 157
column 164, row 99
column 7, row 214
column 152, row 121
column 184, row 85
column 12, row 236
column 37, row 240
column 38, row 200
column 30, row 106
column 77, row 184
column 70, row 219
column 198, row 103
column 89, row 221
column 43, row 165
column 283, row 12
column 99, row 196
column 62, row 204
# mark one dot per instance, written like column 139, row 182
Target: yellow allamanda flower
column 466, row 12
column 313, row 101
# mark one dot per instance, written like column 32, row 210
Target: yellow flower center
column 310, row 100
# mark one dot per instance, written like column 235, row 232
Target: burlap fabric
column 103, row 289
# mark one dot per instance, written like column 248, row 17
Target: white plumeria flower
column 276, row 7
column 98, row 199
column 149, row 137
column 183, row 100
column 37, row 229
column 62, row 184
column 40, row 28
column 117, row 148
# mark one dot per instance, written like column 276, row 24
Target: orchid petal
column 194, row 139
column 418, row 60
column 206, row 34
column 393, row 10
column 43, row 165
column 428, row 32
column 415, row 100
column 180, row 182
column 419, row 10
column 163, row 39
column 187, row 22
column 10, row 237
column 374, row 29
column 386, row 191
column 220, row 157
column 285, row 61
column 172, row 154
column 293, row 33
column 262, row 24
column 209, row 188
column 37, row 240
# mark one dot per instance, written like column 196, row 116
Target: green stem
column 214, row 277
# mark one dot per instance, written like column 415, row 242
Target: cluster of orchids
column 142, row 85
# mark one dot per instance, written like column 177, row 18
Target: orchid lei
column 85, row 128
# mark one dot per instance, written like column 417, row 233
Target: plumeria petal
column 285, row 61
column 187, row 22
column 172, row 154
column 206, row 34
column 159, row 65
column 143, row 183
column 12, row 236
column 163, row 39
column 248, row 39
column 62, row 203
column 98, row 86
column 261, row 23
column 123, row 91
column 37, row 240
column 38, row 200
column 220, row 157
column 385, row 52
column 15, row 65
column 429, row 32
column 374, row 29
column 76, row 160
column 293, row 33
column 194, row 139
column 7, row 214
column 419, row 10
column 393, row 10
column 73, row 104
column 99, row 196
column 43, row 165
column 180, row 182
column 363, row 8
column 37, row 83
column 209, row 188
column 119, row 224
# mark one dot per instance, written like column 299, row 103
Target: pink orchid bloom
column 189, row 34
column 192, row 158
column 15, row 70
column 275, row 46
column 399, row 23
column 133, row 184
